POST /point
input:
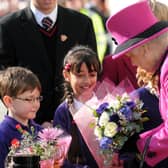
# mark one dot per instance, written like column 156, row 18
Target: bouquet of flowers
column 108, row 120
column 50, row 144
column 116, row 122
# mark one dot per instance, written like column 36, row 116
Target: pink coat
column 159, row 140
column 118, row 70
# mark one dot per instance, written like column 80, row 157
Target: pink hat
column 133, row 26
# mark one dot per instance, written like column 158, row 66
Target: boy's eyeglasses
column 31, row 100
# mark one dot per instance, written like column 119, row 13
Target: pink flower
column 46, row 163
column 49, row 134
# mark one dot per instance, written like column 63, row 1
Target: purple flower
column 101, row 108
column 126, row 112
column 105, row 143
column 114, row 118
column 131, row 104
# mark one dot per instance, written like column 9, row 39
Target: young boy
column 20, row 92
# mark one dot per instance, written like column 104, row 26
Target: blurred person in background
column 101, row 39
column 101, row 8
column 8, row 6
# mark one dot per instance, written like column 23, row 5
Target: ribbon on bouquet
column 83, row 118
column 63, row 144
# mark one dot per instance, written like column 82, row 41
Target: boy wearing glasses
column 20, row 92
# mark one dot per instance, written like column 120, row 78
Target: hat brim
column 148, row 35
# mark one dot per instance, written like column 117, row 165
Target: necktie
column 47, row 23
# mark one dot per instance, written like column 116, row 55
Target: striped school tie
column 47, row 23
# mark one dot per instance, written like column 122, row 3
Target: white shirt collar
column 39, row 15
column 77, row 104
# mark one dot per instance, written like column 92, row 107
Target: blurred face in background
column 74, row 4
column 45, row 6
column 8, row 6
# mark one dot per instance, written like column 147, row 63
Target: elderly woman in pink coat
column 144, row 39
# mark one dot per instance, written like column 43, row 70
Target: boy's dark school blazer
column 21, row 44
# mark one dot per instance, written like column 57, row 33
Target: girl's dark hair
column 16, row 80
column 75, row 58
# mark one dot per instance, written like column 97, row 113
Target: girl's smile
column 82, row 82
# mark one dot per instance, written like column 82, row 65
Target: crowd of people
column 52, row 54
column 9, row 6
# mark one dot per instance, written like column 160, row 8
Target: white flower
column 98, row 132
column 115, row 104
column 104, row 119
column 125, row 97
column 110, row 129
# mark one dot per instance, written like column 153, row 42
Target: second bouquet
column 48, row 149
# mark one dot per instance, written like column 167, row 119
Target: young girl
column 20, row 92
column 81, row 70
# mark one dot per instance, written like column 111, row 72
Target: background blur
column 7, row 6
column 118, row 4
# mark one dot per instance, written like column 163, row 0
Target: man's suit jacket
column 21, row 44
